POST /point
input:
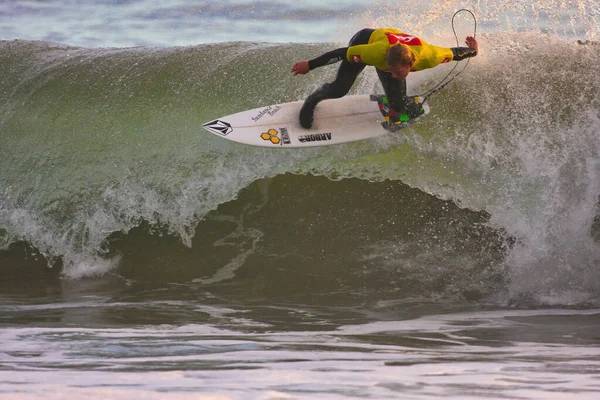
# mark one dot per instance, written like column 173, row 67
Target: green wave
column 96, row 141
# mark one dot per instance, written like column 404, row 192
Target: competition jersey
column 374, row 53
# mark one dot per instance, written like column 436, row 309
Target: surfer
column 392, row 52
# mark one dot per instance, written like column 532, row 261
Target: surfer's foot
column 414, row 109
column 306, row 113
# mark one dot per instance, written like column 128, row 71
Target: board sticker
column 219, row 127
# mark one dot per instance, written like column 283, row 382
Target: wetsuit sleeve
column 331, row 57
column 460, row 53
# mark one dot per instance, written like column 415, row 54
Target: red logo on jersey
column 447, row 59
column 356, row 58
column 394, row 38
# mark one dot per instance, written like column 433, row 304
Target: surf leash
column 442, row 84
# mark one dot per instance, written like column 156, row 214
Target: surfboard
column 336, row 121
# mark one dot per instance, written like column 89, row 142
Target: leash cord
column 443, row 84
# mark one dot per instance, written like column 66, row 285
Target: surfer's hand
column 472, row 43
column 300, row 67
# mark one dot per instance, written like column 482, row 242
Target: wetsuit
column 369, row 47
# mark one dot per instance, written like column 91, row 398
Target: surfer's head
column 400, row 60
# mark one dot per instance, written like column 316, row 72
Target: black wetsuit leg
column 394, row 89
column 344, row 80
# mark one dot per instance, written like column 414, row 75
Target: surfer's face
column 399, row 71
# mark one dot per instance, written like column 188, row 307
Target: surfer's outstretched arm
column 460, row 53
column 337, row 55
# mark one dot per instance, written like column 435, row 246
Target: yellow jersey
column 374, row 52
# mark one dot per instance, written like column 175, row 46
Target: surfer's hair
column 400, row 54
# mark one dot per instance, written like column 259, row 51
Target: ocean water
column 142, row 257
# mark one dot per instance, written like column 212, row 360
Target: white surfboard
column 336, row 121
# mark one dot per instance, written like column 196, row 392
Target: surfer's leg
column 394, row 89
column 344, row 80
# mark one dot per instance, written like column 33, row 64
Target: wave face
column 97, row 142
